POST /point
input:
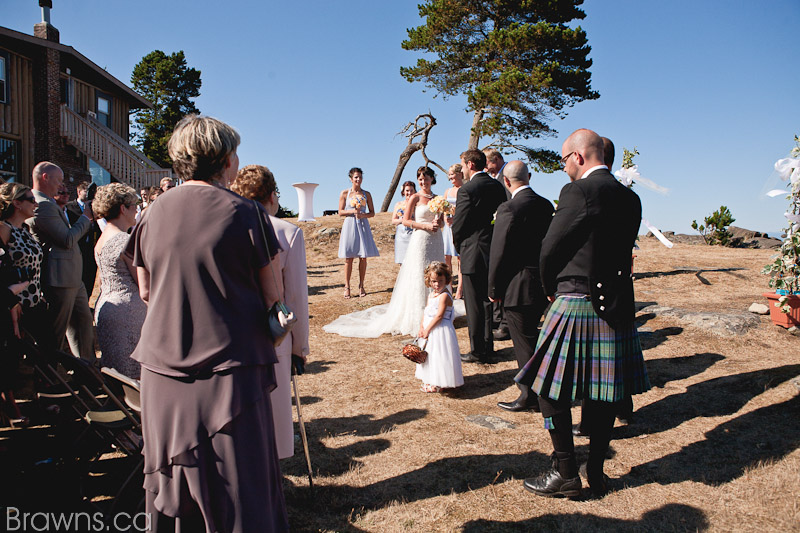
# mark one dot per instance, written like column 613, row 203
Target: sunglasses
column 30, row 199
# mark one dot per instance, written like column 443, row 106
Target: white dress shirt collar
column 513, row 194
column 592, row 170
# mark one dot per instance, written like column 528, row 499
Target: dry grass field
column 713, row 447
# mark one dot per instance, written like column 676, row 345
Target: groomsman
column 75, row 210
column 588, row 348
column 495, row 165
column 520, row 225
column 476, row 204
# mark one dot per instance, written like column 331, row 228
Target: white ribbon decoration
column 627, row 176
column 776, row 192
column 660, row 236
column 788, row 169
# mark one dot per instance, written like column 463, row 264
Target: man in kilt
column 588, row 348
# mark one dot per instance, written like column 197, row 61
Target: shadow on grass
column 480, row 385
column 446, row 476
column 327, row 461
column 318, row 367
column 730, row 449
column 662, row 371
column 651, row 339
column 715, row 397
column 670, row 517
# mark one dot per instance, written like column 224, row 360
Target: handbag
column 280, row 319
column 415, row 351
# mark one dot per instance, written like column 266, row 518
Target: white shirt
column 513, row 194
column 592, row 170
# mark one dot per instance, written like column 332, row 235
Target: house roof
column 80, row 66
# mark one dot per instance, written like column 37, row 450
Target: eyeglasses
column 30, row 199
column 564, row 159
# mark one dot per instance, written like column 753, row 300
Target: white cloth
column 403, row 314
column 442, row 368
column 294, row 285
column 596, row 167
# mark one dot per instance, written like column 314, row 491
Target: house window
column 100, row 176
column 104, row 109
column 9, row 160
column 3, row 77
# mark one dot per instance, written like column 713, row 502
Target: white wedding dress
column 403, row 314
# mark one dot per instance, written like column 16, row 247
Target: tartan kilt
column 578, row 355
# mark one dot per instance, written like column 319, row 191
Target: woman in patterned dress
column 355, row 204
column 17, row 204
column 119, row 312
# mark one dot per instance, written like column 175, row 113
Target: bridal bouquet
column 440, row 206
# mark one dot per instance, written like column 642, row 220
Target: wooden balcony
column 124, row 162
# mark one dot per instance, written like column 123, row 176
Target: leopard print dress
column 26, row 252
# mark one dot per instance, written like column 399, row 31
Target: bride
column 403, row 314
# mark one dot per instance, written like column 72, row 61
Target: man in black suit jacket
column 520, row 226
column 589, row 352
column 476, row 204
column 75, row 209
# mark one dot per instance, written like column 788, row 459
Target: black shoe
column 578, row 432
column 598, row 488
column 625, row 419
column 471, row 358
column 552, row 484
column 520, row 405
column 501, row 334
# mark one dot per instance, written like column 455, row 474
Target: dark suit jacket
column 476, row 204
column 591, row 237
column 63, row 264
column 86, row 242
column 519, row 228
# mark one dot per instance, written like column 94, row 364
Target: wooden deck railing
column 110, row 151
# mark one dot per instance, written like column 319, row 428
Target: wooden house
column 57, row 105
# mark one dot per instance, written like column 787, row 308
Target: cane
column 298, row 368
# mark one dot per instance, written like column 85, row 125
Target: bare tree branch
column 422, row 126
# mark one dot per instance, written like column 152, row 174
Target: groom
column 476, row 204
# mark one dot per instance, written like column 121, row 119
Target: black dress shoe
column 552, row 484
column 501, row 334
column 578, row 432
column 471, row 358
column 518, row 405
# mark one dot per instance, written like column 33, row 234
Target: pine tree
column 170, row 85
column 517, row 61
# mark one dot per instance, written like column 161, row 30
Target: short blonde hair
column 110, row 198
column 166, row 179
column 254, row 182
column 455, row 168
column 200, row 146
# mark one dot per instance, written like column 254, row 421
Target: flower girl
column 442, row 369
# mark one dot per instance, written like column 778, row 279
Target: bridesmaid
column 355, row 204
column 456, row 177
column 402, row 233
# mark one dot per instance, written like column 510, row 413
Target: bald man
column 520, row 225
column 588, row 348
column 62, row 268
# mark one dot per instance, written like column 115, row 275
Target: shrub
column 715, row 230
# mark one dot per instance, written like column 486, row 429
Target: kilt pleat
column 578, row 355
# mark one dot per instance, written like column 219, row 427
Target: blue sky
column 705, row 89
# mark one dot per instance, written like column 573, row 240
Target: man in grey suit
column 63, row 265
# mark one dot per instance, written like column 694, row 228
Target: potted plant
column 784, row 271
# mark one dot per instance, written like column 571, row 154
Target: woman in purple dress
column 207, row 362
